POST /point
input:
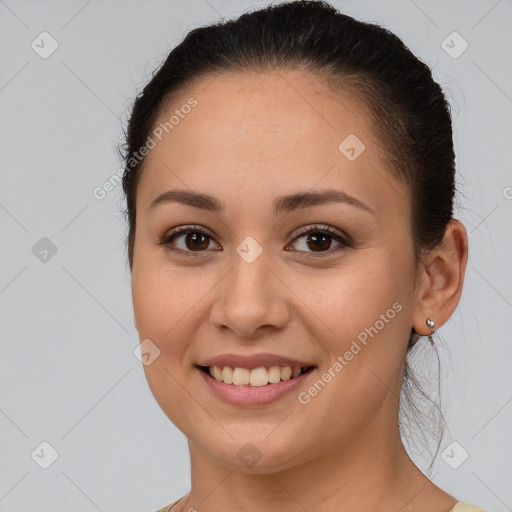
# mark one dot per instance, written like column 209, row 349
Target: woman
column 289, row 182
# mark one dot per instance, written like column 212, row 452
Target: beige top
column 460, row 506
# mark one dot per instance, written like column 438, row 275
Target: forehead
column 262, row 134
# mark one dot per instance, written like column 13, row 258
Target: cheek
column 351, row 298
column 163, row 302
column 363, row 314
column 167, row 303
column 364, row 310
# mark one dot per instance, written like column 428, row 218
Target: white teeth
column 286, row 373
column 227, row 375
column 274, row 374
column 296, row 371
column 241, row 376
column 257, row 377
column 217, row 372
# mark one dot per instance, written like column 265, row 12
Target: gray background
column 68, row 373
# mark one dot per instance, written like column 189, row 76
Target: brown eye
column 197, row 241
column 194, row 240
column 189, row 240
column 319, row 239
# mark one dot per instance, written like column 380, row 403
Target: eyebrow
column 282, row 204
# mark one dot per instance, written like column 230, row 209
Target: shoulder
column 167, row 508
column 466, row 507
column 460, row 506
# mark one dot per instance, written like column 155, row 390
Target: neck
column 371, row 472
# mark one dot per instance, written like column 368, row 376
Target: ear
column 440, row 279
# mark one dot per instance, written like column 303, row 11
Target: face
column 271, row 272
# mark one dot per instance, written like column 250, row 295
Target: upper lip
column 252, row 361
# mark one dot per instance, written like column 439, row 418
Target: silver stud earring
column 430, row 323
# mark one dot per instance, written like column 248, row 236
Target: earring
column 430, row 323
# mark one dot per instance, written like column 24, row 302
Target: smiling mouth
column 255, row 377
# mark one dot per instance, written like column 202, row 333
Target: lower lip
column 254, row 395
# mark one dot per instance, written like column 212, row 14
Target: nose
column 251, row 300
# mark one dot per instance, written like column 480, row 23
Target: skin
column 251, row 138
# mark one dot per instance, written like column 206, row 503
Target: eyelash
column 343, row 240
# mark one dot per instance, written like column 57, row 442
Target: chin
column 254, row 451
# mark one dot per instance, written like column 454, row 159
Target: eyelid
column 331, row 231
column 341, row 237
column 165, row 240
